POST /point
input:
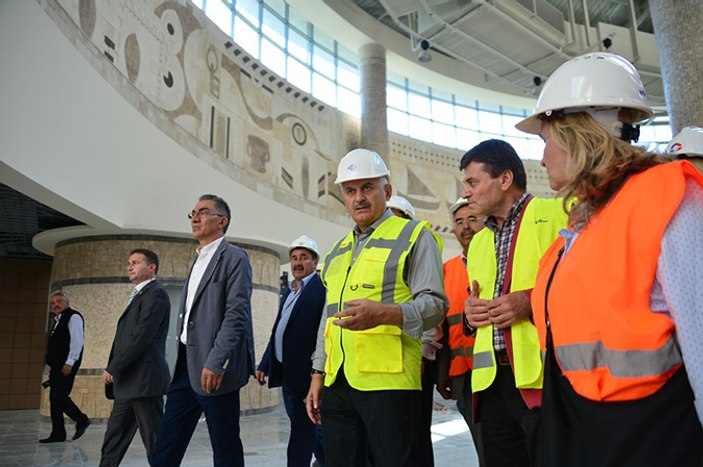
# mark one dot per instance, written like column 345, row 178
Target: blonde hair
column 598, row 163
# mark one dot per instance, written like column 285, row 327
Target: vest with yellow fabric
column 382, row 357
column 456, row 283
column 610, row 345
column 541, row 221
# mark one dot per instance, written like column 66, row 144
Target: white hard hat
column 304, row 242
column 460, row 203
column 402, row 204
column 598, row 80
column 689, row 142
column 359, row 164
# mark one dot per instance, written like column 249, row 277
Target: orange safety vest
column 456, row 283
column 608, row 342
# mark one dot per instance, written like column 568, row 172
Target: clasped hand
column 501, row 312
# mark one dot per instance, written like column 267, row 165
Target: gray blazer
column 220, row 335
column 137, row 359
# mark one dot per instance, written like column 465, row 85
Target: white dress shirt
column 75, row 330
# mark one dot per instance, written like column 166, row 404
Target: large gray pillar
column 374, row 123
column 677, row 29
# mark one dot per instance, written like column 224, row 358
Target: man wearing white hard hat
column 688, row 145
column 617, row 298
column 384, row 284
column 401, row 207
column 287, row 359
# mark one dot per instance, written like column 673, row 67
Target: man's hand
column 107, row 377
column 313, row 401
column 210, row 381
column 444, row 390
column 366, row 314
column 476, row 309
column 66, row 370
column 260, row 377
column 507, row 309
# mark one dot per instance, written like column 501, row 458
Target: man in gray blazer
column 137, row 374
column 216, row 345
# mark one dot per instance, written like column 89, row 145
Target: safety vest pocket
column 379, row 349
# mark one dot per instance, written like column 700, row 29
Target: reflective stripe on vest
column 456, row 283
column 381, row 357
column 541, row 222
column 610, row 345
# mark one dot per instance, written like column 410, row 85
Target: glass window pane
column 323, row 39
column 298, row 75
column 466, row 117
column 279, row 6
column 444, row 134
column 442, row 111
column 220, row 14
column 489, row 122
column 396, row 98
column 420, row 128
column 248, row 9
column 397, row 121
column 419, row 105
column 246, row 37
column 535, row 149
column 509, row 122
column 324, row 89
column 522, row 147
column 348, row 76
column 297, row 21
column 323, row 62
column 298, row 46
column 348, row 101
column 466, row 139
column 274, row 29
column 273, row 58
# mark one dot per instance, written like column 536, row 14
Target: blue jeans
column 305, row 437
column 380, row 424
column 183, row 409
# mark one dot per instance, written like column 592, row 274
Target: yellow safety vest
column 382, row 357
column 540, row 225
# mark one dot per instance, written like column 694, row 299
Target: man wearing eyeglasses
column 215, row 344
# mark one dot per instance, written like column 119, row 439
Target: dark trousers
column 465, row 406
column 423, row 442
column 385, row 421
column 183, row 409
column 61, row 403
column 305, row 437
column 127, row 415
column 501, row 411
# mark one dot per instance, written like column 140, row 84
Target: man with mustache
column 286, row 360
column 384, row 283
column 455, row 357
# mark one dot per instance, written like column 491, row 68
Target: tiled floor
column 264, row 437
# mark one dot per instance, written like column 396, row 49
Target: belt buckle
column 502, row 357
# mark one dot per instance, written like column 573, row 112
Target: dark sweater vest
column 60, row 341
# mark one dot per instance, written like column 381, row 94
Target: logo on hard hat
column 352, row 167
column 676, row 147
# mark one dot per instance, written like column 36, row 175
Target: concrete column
column 374, row 122
column 92, row 270
column 677, row 29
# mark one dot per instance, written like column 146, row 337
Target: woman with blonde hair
column 617, row 302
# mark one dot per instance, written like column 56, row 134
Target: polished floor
column 264, row 437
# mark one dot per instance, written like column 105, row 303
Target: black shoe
column 52, row 439
column 80, row 429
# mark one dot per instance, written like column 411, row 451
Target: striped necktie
column 135, row 291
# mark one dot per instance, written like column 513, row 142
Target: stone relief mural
column 178, row 60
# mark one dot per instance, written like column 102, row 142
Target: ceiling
column 22, row 218
column 516, row 44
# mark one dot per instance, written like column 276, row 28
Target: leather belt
column 502, row 357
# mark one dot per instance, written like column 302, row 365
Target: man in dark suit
column 137, row 373
column 287, row 360
column 216, row 344
column 64, row 353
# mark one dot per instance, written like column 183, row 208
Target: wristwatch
column 317, row 372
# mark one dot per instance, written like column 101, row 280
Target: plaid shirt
column 503, row 238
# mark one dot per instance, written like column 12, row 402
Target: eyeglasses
column 203, row 213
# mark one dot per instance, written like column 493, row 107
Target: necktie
column 134, row 294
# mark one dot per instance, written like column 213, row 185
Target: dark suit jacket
column 299, row 341
column 220, row 335
column 137, row 359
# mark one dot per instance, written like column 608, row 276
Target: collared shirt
column 143, row 284
column 205, row 255
column 75, row 330
column 425, row 278
column 503, row 240
column 290, row 302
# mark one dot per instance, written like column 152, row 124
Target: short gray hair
column 59, row 292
